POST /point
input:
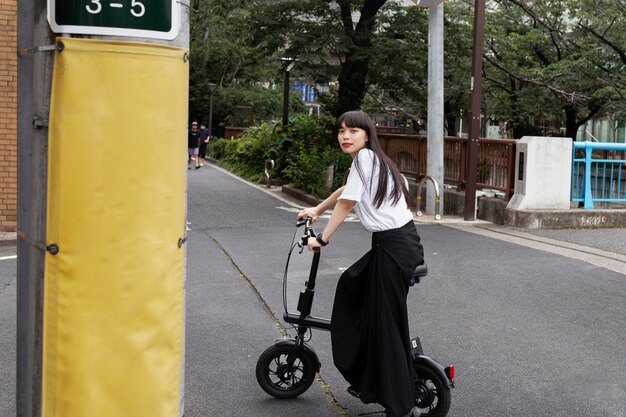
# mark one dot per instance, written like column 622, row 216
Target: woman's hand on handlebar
column 308, row 212
column 312, row 243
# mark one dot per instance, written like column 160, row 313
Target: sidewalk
column 8, row 238
column 611, row 240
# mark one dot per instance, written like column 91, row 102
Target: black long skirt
column 370, row 329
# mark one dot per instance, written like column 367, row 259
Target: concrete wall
column 543, row 171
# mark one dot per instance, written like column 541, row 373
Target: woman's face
column 351, row 139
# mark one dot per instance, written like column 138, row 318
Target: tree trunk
column 450, row 118
column 353, row 76
column 351, row 85
column 571, row 125
column 571, row 122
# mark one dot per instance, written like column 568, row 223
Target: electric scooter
column 288, row 367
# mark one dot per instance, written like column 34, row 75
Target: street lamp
column 288, row 63
column 212, row 88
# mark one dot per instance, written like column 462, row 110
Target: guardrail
column 598, row 173
column 496, row 160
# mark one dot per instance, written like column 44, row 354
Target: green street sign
column 158, row 19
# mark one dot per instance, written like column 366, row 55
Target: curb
column 301, row 195
column 8, row 239
column 566, row 219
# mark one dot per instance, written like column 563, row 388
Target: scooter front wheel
column 432, row 394
column 280, row 380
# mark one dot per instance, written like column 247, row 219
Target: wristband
column 321, row 241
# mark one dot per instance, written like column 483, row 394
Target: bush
column 307, row 169
column 301, row 154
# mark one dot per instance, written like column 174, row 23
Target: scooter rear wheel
column 432, row 394
column 280, row 380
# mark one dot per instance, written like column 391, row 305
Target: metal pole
column 474, row 113
column 434, row 164
column 35, row 63
column 34, row 80
column 286, row 99
column 211, row 114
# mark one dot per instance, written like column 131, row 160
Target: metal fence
column 496, row 160
column 598, row 173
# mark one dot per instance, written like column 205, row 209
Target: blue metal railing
column 598, row 179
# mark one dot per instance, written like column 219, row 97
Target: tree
column 324, row 35
column 540, row 63
column 399, row 62
column 457, row 61
column 222, row 53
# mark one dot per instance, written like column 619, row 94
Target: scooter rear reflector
column 450, row 372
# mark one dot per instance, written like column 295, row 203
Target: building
column 8, row 115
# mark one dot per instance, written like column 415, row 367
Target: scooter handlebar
column 308, row 230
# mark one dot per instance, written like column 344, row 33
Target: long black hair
column 360, row 119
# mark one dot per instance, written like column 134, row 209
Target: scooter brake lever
column 301, row 246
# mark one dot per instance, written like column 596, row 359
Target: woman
column 370, row 331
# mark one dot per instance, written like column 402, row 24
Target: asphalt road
column 7, row 330
column 532, row 332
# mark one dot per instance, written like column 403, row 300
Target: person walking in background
column 204, row 140
column 369, row 323
column 193, row 145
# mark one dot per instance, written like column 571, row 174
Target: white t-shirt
column 387, row 216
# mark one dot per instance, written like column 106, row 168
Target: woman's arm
column 340, row 212
column 315, row 212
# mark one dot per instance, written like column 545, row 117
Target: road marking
column 265, row 190
column 4, row 258
column 326, row 215
column 294, row 207
column 608, row 260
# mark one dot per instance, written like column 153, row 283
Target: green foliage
column 301, row 154
column 559, row 62
column 246, row 156
column 306, row 168
column 310, row 154
column 546, row 62
column 383, row 52
column 222, row 53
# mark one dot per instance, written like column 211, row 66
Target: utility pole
column 288, row 63
column 212, row 88
column 39, row 22
column 474, row 112
column 434, row 163
column 34, row 79
column 434, row 138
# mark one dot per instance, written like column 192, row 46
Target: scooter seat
column 420, row 271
